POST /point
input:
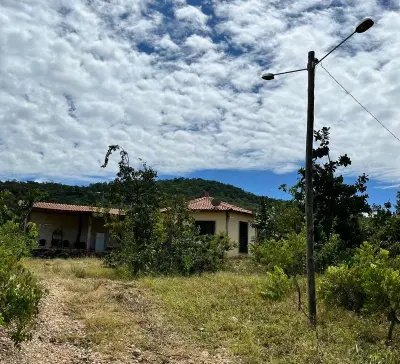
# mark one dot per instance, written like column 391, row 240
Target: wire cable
column 358, row 102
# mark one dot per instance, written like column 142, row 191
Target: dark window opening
column 205, row 227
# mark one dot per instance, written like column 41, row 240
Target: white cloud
column 182, row 89
column 199, row 43
column 192, row 15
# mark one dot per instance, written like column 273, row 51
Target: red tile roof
column 200, row 204
column 204, row 204
column 69, row 208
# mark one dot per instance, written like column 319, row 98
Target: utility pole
column 312, row 62
column 312, row 302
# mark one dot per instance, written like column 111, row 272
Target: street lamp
column 312, row 62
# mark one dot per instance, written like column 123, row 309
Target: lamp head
column 364, row 25
column 268, row 76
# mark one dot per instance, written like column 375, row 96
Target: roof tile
column 70, row 208
column 204, row 204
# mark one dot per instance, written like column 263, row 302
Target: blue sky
column 177, row 83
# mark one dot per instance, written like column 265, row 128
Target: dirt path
column 60, row 339
column 47, row 345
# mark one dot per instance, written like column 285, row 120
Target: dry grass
column 216, row 315
column 75, row 268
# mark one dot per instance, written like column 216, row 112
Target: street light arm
column 283, row 73
column 270, row 76
column 326, row 55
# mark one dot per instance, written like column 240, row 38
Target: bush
column 175, row 247
column 276, row 286
column 368, row 284
column 19, row 297
column 19, row 291
column 200, row 253
column 331, row 252
column 289, row 254
column 13, row 239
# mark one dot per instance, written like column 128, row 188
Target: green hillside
column 98, row 193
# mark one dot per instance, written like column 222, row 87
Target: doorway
column 99, row 246
column 243, row 237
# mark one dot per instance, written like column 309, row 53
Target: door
column 243, row 237
column 99, row 246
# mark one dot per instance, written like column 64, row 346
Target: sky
column 177, row 83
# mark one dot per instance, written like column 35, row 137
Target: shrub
column 19, row 297
column 201, row 253
column 289, row 254
column 367, row 285
column 78, row 271
column 331, row 252
column 13, row 239
column 276, row 286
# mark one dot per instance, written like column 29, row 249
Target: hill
column 99, row 193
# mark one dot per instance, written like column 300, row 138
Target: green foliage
column 289, row 253
column 155, row 240
column 368, row 285
column 101, row 194
column 276, row 286
column 16, row 206
column 13, row 239
column 19, row 292
column 338, row 206
column 19, row 297
column 382, row 228
column 332, row 251
column 277, row 220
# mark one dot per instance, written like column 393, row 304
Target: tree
column 337, row 205
column 276, row 220
column 382, row 228
column 135, row 192
column 156, row 235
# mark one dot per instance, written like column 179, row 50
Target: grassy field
column 215, row 316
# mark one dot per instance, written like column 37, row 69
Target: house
column 81, row 227
column 71, row 226
column 213, row 216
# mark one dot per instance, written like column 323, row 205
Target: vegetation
column 368, row 285
column 19, row 291
column 289, row 254
column 101, row 193
column 338, row 206
column 152, row 240
column 248, row 312
column 213, row 318
column 357, row 276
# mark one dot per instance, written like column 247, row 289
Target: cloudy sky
column 177, row 83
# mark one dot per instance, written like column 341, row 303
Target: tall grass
column 220, row 314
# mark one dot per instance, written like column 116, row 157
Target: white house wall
column 233, row 226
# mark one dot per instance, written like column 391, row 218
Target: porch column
column 89, row 231
column 228, row 217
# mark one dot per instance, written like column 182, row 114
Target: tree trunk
column 393, row 320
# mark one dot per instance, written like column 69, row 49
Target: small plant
column 78, row 271
column 276, row 286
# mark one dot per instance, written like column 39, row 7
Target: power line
column 358, row 102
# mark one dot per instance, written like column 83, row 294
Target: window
column 206, row 227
